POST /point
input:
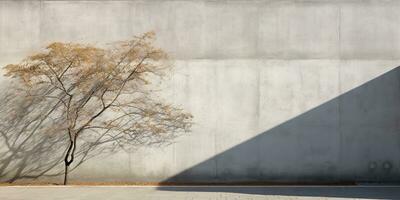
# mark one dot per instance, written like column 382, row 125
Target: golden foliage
column 102, row 92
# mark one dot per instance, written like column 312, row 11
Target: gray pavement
column 197, row 192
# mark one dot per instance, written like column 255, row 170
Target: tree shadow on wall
column 351, row 138
column 29, row 150
column 33, row 143
column 32, row 155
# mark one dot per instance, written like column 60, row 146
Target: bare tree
column 93, row 96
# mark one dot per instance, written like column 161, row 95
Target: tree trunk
column 66, row 174
column 68, row 159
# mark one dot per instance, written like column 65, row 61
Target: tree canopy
column 97, row 95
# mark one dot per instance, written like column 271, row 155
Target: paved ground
column 194, row 193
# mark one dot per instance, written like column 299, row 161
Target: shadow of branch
column 29, row 149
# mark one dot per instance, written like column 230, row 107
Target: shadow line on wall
column 351, row 138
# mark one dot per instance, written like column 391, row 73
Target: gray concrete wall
column 281, row 90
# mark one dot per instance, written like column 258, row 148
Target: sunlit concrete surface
column 280, row 90
column 199, row 192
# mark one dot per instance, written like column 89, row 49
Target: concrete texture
column 281, row 90
column 198, row 193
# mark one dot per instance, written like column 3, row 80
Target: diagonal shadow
column 351, row 138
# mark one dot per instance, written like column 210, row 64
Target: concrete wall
column 281, row 90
